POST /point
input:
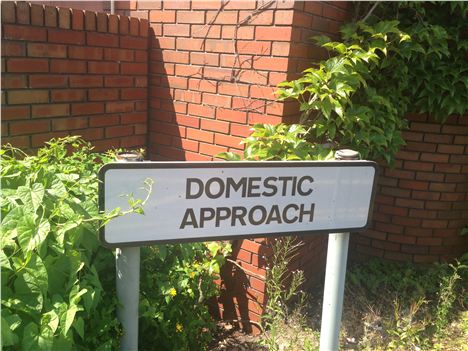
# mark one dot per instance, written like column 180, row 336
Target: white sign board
column 195, row 201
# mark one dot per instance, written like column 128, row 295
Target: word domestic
column 217, row 188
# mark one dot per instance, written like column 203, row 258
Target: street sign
column 202, row 201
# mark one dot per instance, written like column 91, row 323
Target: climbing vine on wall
column 398, row 58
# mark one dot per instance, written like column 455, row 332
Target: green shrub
column 58, row 288
column 58, row 282
column 177, row 283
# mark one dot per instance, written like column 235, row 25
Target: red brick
column 434, row 223
column 212, row 150
column 459, row 159
column 273, row 33
column 222, row 46
column 27, row 65
column 203, row 58
column 77, row 19
column 175, row 56
column 28, row 97
column 237, row 61
column 115, row 107
column 86, row 81
column 51, row 16
column 176, row 82
column 66, row 37
column 134, row 94
column 102, row 39
column 52, row 110
column 205, row 31
column 68, row 95
column 407, row 222
column 233, row 89
column 124, row 25
column 215, row 126
column 188, row 121
column 67, row 66
column 64, row 18
column 425, row 195
column 24, row 33
column 200, row 135
column 23, row 14
column 13, row 48
column 103, row 67
column 177, row 30
column 443, row 187
column 259, row 18
column 87, row 108
column 413, row 185
column 228, row 140
column 14, row 81
column 223, row 17
column 253, row 47
column 118, row 55
column 435, row 177
column 134, row 43
column 438, row 138
column 8, row 12
column 217, row 100
column 104, row 120
column 10, row 113
column 216, row 73
column 29, row 127
column 448, row 168
column 70, row 123
column 461, row 139
column 201, row 110
column 255, row 118
column 187, row 70
column 251, row 76
column 419, row 166
column 134, row 26
column 450, row 149
column 103, row 94
column 135, row 117
column 102, row 22
column 90, row 20
column 118, row 131
column 46, row 50
column 85, row 53
column 451, row 129
column 240, row 130
column 434, row 158
column 186, row 145
column 133, row 68
column 195, row 17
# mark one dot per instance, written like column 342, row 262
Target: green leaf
column 9, row 338
column 31, row 197
column 78, row 325
column 67, row 319
column 30, row 233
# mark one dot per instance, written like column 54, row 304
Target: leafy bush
column 58, row 282
column 280, row 142
column 58, row 289
column 177, row 284
column 403, row 57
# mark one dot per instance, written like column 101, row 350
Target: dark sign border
column 223, row 164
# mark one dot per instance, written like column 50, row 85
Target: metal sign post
column 127, row 269
column 333, row 292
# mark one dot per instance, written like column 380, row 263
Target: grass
column 388, row 306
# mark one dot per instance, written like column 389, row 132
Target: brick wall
column 213, row 70
column 73, row 72
column 422, row 203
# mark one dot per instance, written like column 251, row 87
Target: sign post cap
column 346, row 154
